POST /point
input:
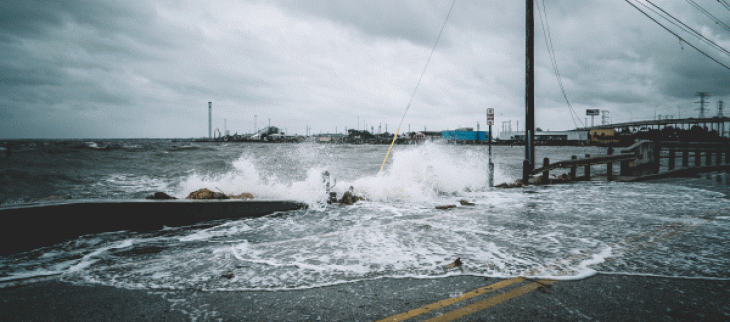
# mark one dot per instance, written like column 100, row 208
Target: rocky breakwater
column 202, row 194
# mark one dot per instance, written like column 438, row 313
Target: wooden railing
column 644, row 160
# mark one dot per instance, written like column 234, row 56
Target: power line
column 676, row 35
column 549, row 43
column 418, row 84
column 426, row 66
column 681, row 25
column 724, row 4
column 708, row 14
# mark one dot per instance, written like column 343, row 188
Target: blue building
column 465, row 136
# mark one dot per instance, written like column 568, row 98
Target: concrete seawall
column 30, row 226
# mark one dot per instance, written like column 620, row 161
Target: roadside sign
column 490, row 116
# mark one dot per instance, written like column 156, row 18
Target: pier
column 643, row 160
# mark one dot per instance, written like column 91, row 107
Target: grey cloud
column 415, row 21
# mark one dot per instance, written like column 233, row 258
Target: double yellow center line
column 469, row 309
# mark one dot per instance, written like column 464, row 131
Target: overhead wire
column 724, row 4
column 551, row 51
column 681, row 25
column 676, row 35
column 418, row 83
column 708, row 14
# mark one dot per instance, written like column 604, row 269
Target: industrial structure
column 714, row 123
column 575, row 137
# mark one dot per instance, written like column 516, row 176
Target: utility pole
column 703, row 96
column 529, row 163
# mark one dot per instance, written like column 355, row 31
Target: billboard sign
column 592, row 112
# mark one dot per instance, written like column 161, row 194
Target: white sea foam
column 563, row 232
column 416, row 174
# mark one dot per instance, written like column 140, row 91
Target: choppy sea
column 563, row 231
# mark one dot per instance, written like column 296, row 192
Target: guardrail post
column 573, row 173
column 587, row 170
column 609, row 166
column 685, row 159
column 546, row 173
column 671, row 159
column 698, row 158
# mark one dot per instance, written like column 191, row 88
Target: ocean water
column 564, row 231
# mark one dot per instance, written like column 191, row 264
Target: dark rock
column 332, row 198
column 244, row 195
column 444, row 207
column 160, row 196
column 455, row 263
column 349, row 197
column 206, row 194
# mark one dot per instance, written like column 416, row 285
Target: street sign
column 490, row 116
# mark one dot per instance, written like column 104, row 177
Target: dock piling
column 708, row 157
column 573, row 171
column 546, row 173
column 609, row 166
column 671, row 159
column 685, row 159
column 698, row 158
column 587, row 170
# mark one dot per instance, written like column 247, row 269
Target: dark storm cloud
column 34, row 19
column 148, row 68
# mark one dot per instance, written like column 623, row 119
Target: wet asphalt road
column 597, row 298
column 461, row 298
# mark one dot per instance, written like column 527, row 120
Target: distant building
column 547, row 137
column 465, row 135
column 329, row 137
column 422, row 136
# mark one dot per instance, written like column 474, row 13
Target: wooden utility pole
column 529, row 162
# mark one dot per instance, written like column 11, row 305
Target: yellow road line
column 449, row 301
column 494, row 300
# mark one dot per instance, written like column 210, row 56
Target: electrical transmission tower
column 719, row 108
column 703, row 96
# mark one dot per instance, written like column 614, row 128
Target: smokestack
column 210, row 120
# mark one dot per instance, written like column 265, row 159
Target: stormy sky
column 135, row 69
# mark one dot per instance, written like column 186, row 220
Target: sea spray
column 416, row 174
